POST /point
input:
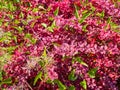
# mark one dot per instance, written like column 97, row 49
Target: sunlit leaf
column 101, row 15
column 56, row 11
column 33, row 40
column 44, row 52
column 53, row 25
column 21, row 15
column 84, row 28
column 9, row 49
column 86, row 15
column 35, row 10
column 20, row 29
column 38, row 76
column 60, row 85
column 44, row 25
column 81, row 61
column 83, row 84
column 11, row 7
column 76, row 12
column 50, row 29
column 28, row 35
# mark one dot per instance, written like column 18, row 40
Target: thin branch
column 28, row 85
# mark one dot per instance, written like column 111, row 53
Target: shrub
column 63, row 44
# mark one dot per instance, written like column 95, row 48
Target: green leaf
column 35, row 9
column 84, row 28
column 83, row 84
column 1, row 22
column 72, row 87
column 6, row 81
column 81, row 61
column 86, row 15
column 92, row 72
column 16, row 1
column 49, row 81
column 38, row 76
column 10, row 6
column 86, row 1
column 60, row 85
column 92, row 7
column 8, row 34
column 42, row 63
column 101, row 15
column 72, row 76
column 56, row 11
column 20, row 29
column 28, row 35
column 50, row 29
column 76, row 12
column 10, row 49
column 44, row 52
column 1, row 75
column 33, row 40
column 6, row 37
column 21, row 15
column 44, row 25
column 3, row 59
column 6, row 23
column 16, row 21
column 25, row 22
column 32, row 24
column 10, row 16
column 53, row 25
column 50, row 18
column 85, row 11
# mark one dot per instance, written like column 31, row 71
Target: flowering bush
column 60, row 44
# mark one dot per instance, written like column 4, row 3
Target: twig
column 28, row 85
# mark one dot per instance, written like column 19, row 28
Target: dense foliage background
column 59, row 44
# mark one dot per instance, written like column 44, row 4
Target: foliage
column 59, row 44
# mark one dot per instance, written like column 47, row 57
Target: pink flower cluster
column 70, row 33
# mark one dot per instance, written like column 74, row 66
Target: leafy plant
column 60, row 85
column 72, row 87
column 72, row 76
column 53, row 25
column 76, row 12
column 56, row 11
column 6, row 81
column 83, row 84
column 92, row 72
column 36, row 35
column 38, row 76
column 78, row 59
